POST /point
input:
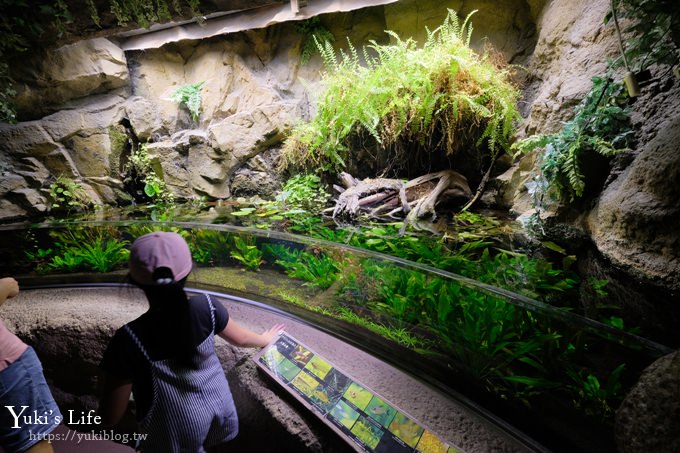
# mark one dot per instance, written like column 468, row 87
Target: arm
column 238, row 335
column 114, row 399
column 9, row 288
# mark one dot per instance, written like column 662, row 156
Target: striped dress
column 192, row 408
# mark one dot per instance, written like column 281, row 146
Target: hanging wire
column 618, row 33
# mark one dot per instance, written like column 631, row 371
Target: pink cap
column 156, row 250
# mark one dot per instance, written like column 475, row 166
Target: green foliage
column 313, row 32
column 140, row 167
column 653, row 33
column 97, row 249
column 146, row 13
column 318, row 269
column 598, row 398
column 440, row 98
column 246, row 252
column 600, row 125
column 303, row 191
column 7, row 92
column 210, row 246
column 189, row 96
column 67, row 194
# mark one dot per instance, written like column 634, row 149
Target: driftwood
column 397, row 199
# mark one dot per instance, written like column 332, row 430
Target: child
column 167, row 355
column 28, row 412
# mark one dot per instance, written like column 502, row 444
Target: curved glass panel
column 514, row 356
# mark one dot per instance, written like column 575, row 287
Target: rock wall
column 78, row 103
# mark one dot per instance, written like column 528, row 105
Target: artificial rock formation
column 649, row 417
column 84, row 105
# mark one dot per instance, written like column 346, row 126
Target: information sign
column 367, row 421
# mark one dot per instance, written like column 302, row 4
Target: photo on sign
column 287, row 370
column 272, row 358
column 367, row 432
column 344, row 414
column 429, row 443
column 325, row 398
column 305, row 383
column 358, row 395
column 318, row 366
column 337, row 380
column 301, row 354
column 380, row 411
column 406, row 429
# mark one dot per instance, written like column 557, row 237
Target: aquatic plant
column 98, row 249
column 403, row 103
column 246, row 252
column 210, row 246
column 318, row 269
column 598, row 398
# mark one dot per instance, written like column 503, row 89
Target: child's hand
column 271, row 333
column 9, row 287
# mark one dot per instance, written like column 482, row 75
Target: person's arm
column 114, row 399
column 9, row 288
column 238, row 335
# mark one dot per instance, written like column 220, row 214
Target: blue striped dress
column 192, row 408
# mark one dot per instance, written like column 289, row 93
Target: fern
column 600, row 125
column 313, row 32
column 442, row 96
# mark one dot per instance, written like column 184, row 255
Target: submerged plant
column 97, row 249
column 317, row 269
column 246, row 252
column 400, row 100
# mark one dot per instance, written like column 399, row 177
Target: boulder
column 26, row 139
column 573, row 46
column 11, row 211
column 90, row 153
column 635, row 222
column 247, row 182
column 208, row 172
column 649, row 417
column 60, row 163
column 144, row 118
column 244, row 135
column 71, row 72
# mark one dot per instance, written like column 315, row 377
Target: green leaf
column 150, row 190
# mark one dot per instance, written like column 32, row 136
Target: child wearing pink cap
column 167, row 355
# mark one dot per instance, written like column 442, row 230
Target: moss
column 265, row 283
column 119, row 141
